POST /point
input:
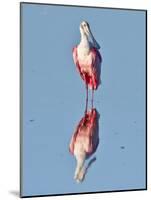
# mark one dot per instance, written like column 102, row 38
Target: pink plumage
column 86, row 133
column 91, row 77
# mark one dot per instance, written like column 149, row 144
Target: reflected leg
column 86, row 105
column 92, row 98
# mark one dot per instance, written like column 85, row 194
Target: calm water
column 54, row 99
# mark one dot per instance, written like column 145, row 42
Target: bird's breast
column 83, row 53
column 84, row 59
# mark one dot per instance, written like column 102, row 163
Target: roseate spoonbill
column 84, row 141
column 87, row 59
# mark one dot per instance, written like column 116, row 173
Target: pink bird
column 84, row 141
column 88, row 59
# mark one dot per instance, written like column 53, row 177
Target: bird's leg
column 86, row 106
column 92, row 97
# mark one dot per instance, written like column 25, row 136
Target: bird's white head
column 84, row 28
column 86, row 31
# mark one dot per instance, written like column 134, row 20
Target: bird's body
column 85, row 136
column 84, row 141
column 87, row 58
column 88, row 64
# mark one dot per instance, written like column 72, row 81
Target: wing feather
column 96, row 67
column 76, row 62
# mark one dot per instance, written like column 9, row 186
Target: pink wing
column 96, row 67
column 93, row 133
column 76, row 62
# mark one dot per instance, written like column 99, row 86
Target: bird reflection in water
column 84, row 142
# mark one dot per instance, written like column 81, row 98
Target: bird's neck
column 79, row 172
column 84, row 41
